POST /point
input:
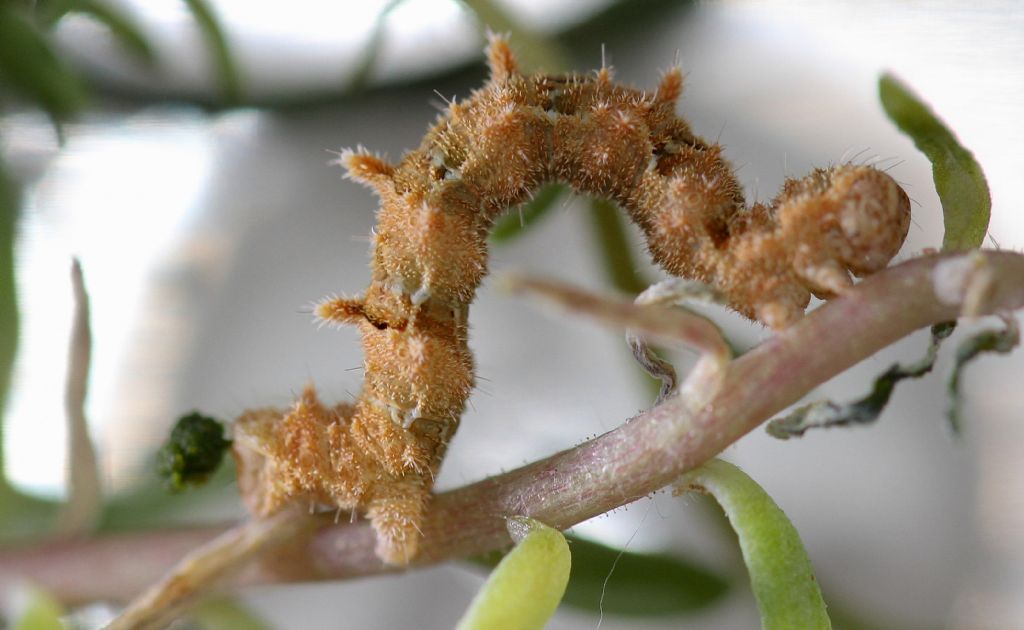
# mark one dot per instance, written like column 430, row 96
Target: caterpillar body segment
column 429, row 255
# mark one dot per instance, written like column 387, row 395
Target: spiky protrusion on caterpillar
column 487, row 154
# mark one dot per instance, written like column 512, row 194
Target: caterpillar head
column 872, row 220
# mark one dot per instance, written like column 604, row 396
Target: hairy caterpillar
column 429, row 255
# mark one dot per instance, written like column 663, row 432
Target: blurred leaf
column 641, row 584
column 780, row 572
column 223, row 613
column 620, row 264
column 516, row 221
column 523, row 591
column 29, row 65
column 998, row 341
column 9, row 203
column 371, row 51
column 148, row 504
column 39, row 611
column 958, row 177
column 21, row 516
column 217, row 43
column 123, row 28
column 826, row 413
column 535, row 52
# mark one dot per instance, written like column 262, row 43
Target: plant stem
column 643, row 455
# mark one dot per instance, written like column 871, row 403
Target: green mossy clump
column 193, row 453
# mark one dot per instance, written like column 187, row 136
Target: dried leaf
column 866, row 410
column 999, row 341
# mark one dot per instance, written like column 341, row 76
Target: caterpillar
column 379, row 455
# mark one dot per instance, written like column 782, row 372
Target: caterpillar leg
column 395, row 512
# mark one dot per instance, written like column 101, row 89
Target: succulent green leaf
column 998, row 341
column 958, row 177
column 866, row 410
column 217, row 43
column 781, row 575
column 516, row 222
column 194, row 451
column 523, row 591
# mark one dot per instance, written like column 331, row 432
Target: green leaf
column 39, row 611
column 515, row 223
column 29, row 65
column 637, row 584
column 217, row 43
column 826, row 413
column 123, row 28
column 959, row 179
column 998, row 341
column 194, row 451
column 780, row 572
column 523, row 591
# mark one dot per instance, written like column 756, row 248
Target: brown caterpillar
column 488, row 154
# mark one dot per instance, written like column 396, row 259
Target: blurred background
column 207, row 216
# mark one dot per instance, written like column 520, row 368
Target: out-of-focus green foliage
column 517, row 221
column 217, row 43
column 39, row 611
column 617, row 582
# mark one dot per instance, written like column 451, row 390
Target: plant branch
column 643, row 455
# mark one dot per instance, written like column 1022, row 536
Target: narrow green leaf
column 998, row 341
column 516, row 222
column 217, row 43
column 780, row 572
column 958, row 177
column 38, row 611
column 29, row 65
column 866, row 410
column 122, row 27
column 523, row 591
